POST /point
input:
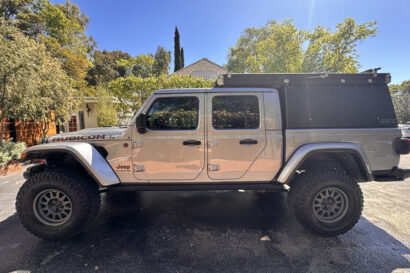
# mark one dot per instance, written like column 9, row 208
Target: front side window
column 235, row 112
column 177, row 113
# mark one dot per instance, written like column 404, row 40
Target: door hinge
column 136, row 144
column 212, row 143
column 138, row 168
column 213, row 167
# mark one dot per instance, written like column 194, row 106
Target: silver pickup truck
column 313, row 135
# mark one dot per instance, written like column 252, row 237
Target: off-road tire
column 303, row 194
column 83, row 194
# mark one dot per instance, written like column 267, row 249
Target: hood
column 101, row 133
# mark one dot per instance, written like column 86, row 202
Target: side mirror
column 141, row 123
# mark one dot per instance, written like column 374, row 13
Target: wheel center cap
column 55, row 205
column 328, row 203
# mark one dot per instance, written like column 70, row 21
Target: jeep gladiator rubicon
column 313, row 135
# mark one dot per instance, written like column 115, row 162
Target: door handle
column 191, row 142
column 248, row 141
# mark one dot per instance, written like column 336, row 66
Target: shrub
column 10, row 150
column 106, row 112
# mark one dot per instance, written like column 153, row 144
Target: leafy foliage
column 401, row 100
column 10, row 8
column 162, row 60
column 281, row 47
column 62, row 29
column 140, row 66
column 106, row 112
column 33, row 83
column 336, row 51
column 10, row 151
column 275, row 47
column 105, row 67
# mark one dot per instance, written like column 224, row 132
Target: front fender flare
column 85, row 154
column 303, row 152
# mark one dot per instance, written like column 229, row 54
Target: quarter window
column 235, row 112
column 176, row 113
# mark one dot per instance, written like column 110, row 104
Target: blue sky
column 209, row 28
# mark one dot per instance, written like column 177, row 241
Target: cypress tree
column 177, row 51
column 182, row 58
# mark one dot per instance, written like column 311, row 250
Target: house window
column 81, row 119
column 72, row 124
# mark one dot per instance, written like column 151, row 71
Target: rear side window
column 177, row 113
column 235, row 112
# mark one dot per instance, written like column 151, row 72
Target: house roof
column 203, row 68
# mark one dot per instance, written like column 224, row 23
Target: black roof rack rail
column 278, row 80
column 372, row 70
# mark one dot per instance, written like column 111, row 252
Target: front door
column 236, row 133
column 172, row 148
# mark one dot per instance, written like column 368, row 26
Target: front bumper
column 395, row 174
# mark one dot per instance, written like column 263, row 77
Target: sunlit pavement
column 212, row 232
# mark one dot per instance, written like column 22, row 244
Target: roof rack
column 277, row 80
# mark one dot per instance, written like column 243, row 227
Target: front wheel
column 56, row 204
column 327, row 203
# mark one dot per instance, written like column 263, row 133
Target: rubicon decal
column 70, row 138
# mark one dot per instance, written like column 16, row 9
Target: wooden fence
column 29, row 132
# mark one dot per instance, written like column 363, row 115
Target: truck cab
column 207, row 136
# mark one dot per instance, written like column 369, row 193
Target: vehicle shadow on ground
column 200, row 232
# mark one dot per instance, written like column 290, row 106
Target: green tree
column 140, row 66
column 281, row 47
column 182, row 58
column 33, row 84
column 10, row 8
column 275, row 47
column 162, row 60
column 177, row 51
column 64, row 24
column 336, row 51
column 401, row 100
column 131, row 92
column 105, row 68
column 62, row 29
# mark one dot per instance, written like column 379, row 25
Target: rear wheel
column 327, row 203
column 55, row 204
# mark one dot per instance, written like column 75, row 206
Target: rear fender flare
column 303, row 152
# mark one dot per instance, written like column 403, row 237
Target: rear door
column 236, row 133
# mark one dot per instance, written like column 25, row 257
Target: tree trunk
column 2, row 107
column 45, row 127
column 13, row 131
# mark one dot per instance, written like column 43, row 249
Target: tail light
column 403, row 146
